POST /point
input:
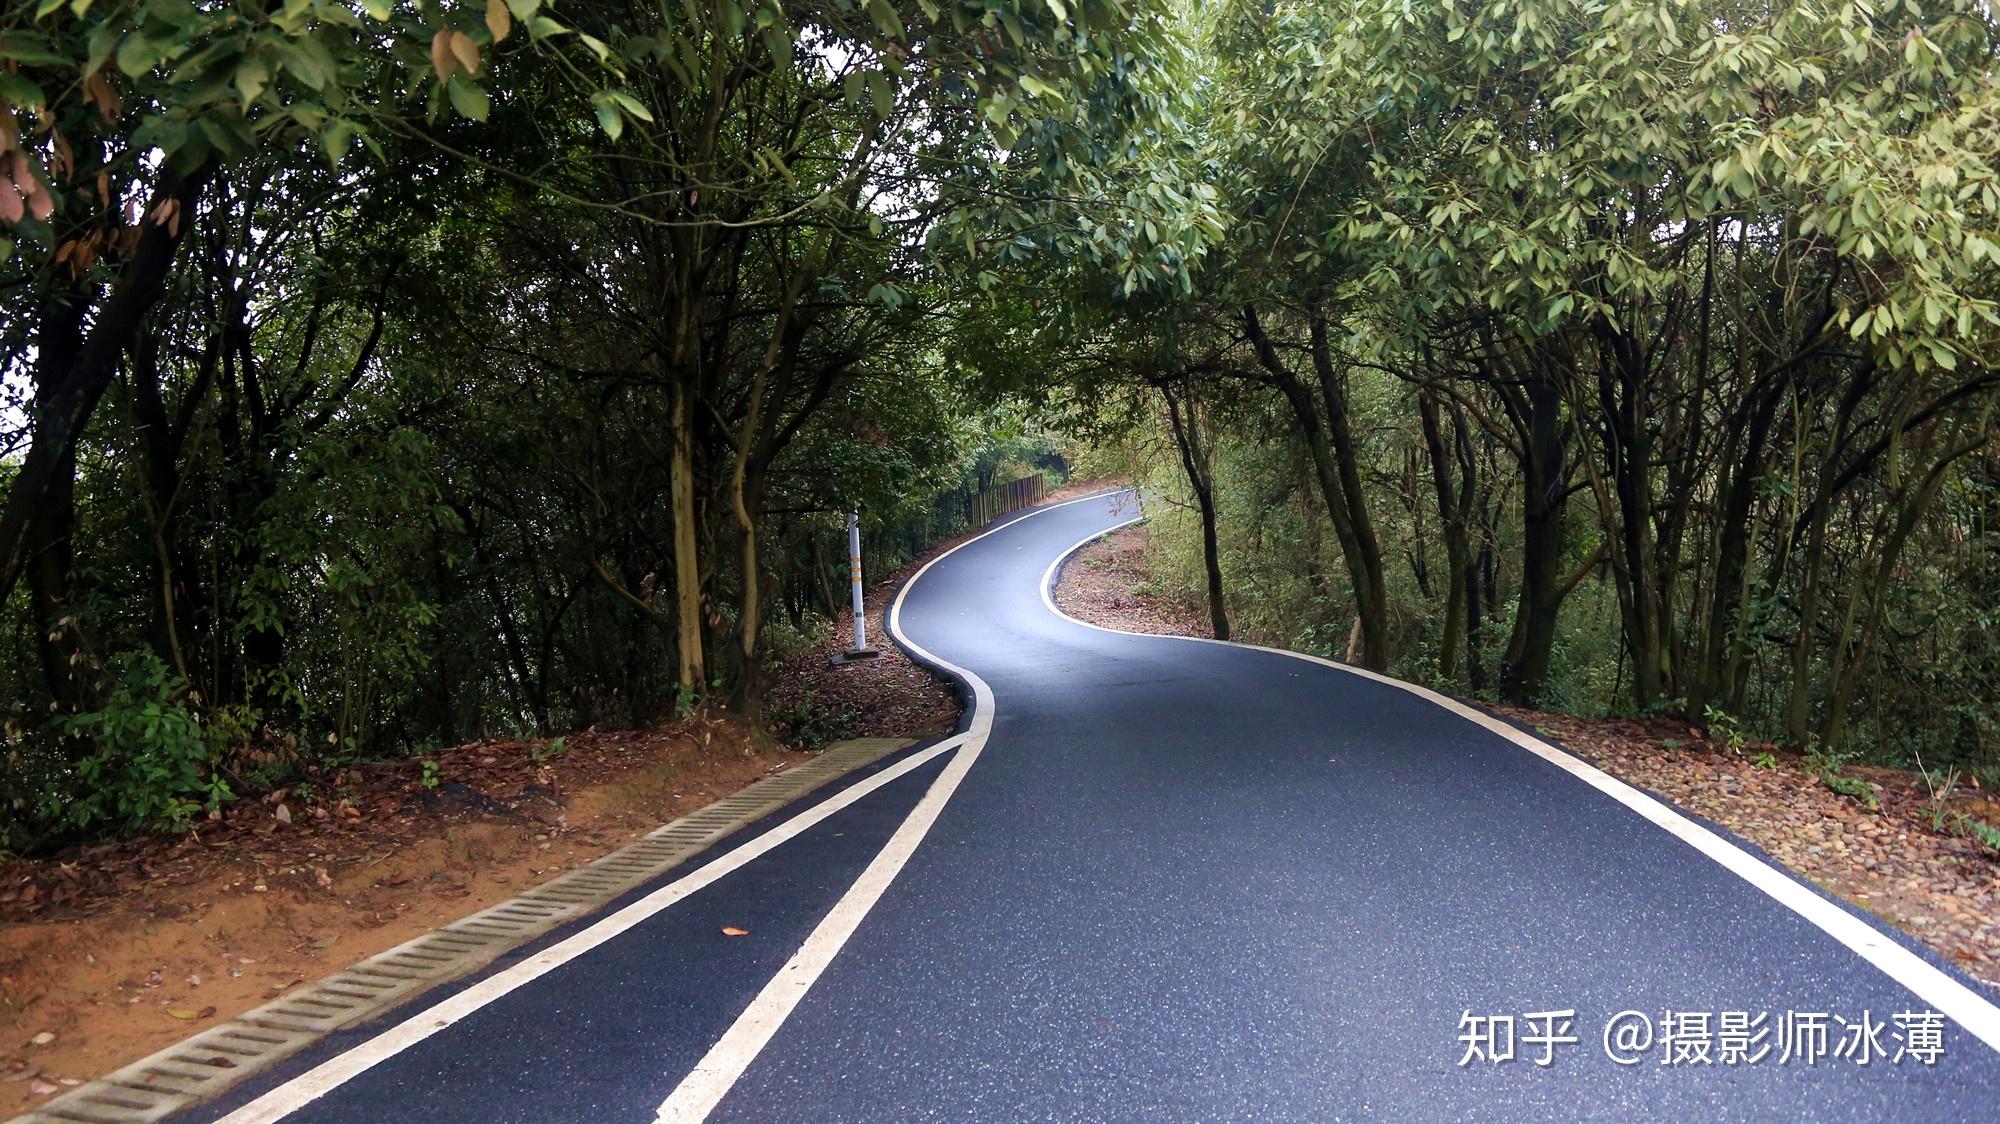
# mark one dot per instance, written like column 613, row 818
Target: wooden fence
column 950, row 514
column 1003, row 499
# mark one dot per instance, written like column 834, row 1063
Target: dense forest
column 381, row 373
column 1607, row 357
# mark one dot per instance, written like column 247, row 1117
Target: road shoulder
column 1939, row 887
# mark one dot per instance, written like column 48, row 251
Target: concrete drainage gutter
column 204, row 1065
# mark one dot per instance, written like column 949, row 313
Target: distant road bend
column 1162, row 879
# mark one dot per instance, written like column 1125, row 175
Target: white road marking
column 705, row 1085
column 718, row 1071
column 317, row 1082
column 721, row 1067
column 1964, row 1006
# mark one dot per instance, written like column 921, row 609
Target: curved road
column 1160, row 879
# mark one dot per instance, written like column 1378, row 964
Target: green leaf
column 337, row 137
column 253, row 75
column 778, row 42
column 29, row 50
column 608, row 119
column 379, row 9
column 468, row 98
column 881, row 93
column 309, row 61
column 630, row 105
column 136, row 55
column 886, row 19
column 1041, row 89
column 103, row 40
column 17, row 90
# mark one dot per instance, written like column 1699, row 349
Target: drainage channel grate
column 205, row 1064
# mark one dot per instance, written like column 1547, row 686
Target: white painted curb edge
column 1977, row 1015
column 718, row 1071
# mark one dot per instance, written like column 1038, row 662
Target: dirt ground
column 1940, row 887
column 1081, row 486
column 109, row 953
column 1108, row 583
column 813, row 701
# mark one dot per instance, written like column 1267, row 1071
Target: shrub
column 152, row 763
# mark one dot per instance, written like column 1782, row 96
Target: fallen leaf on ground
column 733, row 931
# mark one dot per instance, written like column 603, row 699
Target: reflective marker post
column 854, row 580
column 861, row 650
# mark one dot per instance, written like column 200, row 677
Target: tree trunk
column 687, row 566
column 65, row 399
column 1833, row 727
column 1369, row 603
column 1340, row 430
column 1194, row 461
column 1524, row 670
column 1725, row 640
column 1451, row 514
column 52, row 520
column 53, row 555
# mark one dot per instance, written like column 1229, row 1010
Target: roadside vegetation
column 1894, row 842
column 1613, row 358
column 384, row 374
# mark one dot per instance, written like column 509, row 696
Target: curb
column 208, row 1063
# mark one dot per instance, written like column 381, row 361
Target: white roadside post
column 861, row 650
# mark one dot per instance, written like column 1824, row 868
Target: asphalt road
column 1190, row 881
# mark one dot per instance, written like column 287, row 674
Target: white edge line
column 1970, row 1010
column 724, row 1064
column 317, row 1082
column 295, row 1094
